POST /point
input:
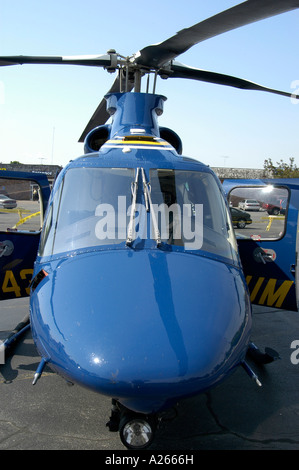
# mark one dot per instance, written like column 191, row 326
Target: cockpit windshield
column 111, row 206
column 191, row 212
column 88, row 210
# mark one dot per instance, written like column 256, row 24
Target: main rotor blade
column 101, row 116
column 90, row 60
column 245, row 13
column 183, row 71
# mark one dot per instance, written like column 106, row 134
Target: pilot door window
column 259, row 212
column 20, row 206
column 89, row 209
column 191, row 212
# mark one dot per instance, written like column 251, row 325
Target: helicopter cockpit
column 178, row 209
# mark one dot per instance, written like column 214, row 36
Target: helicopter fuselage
column 138, row 292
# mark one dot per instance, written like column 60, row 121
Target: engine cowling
column 99, row 135
column 96, row 138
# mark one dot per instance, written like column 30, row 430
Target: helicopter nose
column 151, row 324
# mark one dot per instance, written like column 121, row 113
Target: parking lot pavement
column 235, row 415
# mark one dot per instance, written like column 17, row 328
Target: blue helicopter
column 134, row 240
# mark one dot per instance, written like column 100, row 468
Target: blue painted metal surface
column 142, row 326
column 138, row 109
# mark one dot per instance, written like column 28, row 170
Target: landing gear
column 136, row 430
column 259, row 358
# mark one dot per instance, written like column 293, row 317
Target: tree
column 282, row 170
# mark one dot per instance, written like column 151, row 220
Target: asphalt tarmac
column 236, row 415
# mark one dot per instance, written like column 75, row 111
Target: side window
column 20, row 206
column 259, row 213
column 48, row 233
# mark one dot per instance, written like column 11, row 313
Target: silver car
column 249, row 205
column 6, row 202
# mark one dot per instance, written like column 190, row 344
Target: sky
column 45, row 108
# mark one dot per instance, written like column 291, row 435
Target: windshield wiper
column 149, row 205
column 133, row 209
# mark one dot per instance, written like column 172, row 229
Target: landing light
column 136, row 433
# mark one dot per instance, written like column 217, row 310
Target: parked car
column 249, row 205
column 278, row 207
column 240, row 218
column 6, row 202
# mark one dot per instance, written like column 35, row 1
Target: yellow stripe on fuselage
column 136, row 142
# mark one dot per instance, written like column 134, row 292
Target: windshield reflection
column 259, row 212
column 196, row 211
